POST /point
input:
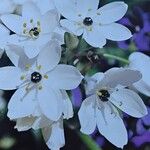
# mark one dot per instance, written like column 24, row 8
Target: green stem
column 89, row 142
column 116, row 57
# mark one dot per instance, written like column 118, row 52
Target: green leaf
column 89, row 142
column 71, row 41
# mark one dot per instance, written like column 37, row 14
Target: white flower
column 4, row 36
column 53, row 132
column 96, row 25
column 141, row 62
column 107, row 93
column 33, row 30
column 44, row 5
column 39, row 80
column 7, row 6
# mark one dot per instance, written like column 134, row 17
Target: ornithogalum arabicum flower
column 33, row 30
column 95, row 25
column 41, row 81
column 108, row 91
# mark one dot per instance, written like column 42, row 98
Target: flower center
column 34, row 32
column 103, row 95
column 36, row 77
column 88, row 21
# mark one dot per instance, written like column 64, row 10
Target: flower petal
column 142, row 66
column 30, row 11
column 13, row 22
column 120, row 76
column 67, row 106
column 86, row 6
column 111, row 12
column 49, row 21
column 24, row 124
column 87, row 115
column 54, row 136
column 68, row 9
column 10, row 78
column 64, row 77
column 111, row 126
column 129, row 102
column 51, row 103
column 41, row 122
column 94, row 37
column 22, row 104
column 71, row 27
column 142, row 87
column 50, row 56
column 116, row 32
column 92, row 81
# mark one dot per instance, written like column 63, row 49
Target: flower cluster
column 33, row 33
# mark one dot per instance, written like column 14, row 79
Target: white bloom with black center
column 141, row 62
column 39, row 80
column 33, row 30
column 108, row 93
column 96, row 25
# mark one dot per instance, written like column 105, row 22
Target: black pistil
column 88, row 21
column 103, row 95
column 36, row 77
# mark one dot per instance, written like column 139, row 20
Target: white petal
column 30, row 11
column 64, row 77
column 142, row 66
column 142, row 87
column 86, row 6
column 50, row 56
column 24, row 124
column 45, row 5
column 41, row 122
column 120, row 76
column 12, row 53
column 13, row 22
column 54, row 136
column 111, row 126
column 22, row 104
column 49, row 21
column 67, row 106
column 71, row 27
column 129, row 102
column 51, row 103
column 111, row 12
column 93, row 81
column 94, row 37
column 7, row 6
column 87, row 115
column 10, row 78
column 4, row 31
column 68, row 9
column 116, row 32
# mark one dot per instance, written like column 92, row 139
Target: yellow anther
column 39, row 29
column 24, row 25
column 46, row 76
column 40, row 87
column 89, row 9
column 22, row 77
column 24, row 31
column 90, row 29
column 39, row 67
column 38, row 23
column 31, row 20
column 99, row 93
column 27, row 66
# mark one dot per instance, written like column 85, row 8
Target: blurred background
column 90, row 60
